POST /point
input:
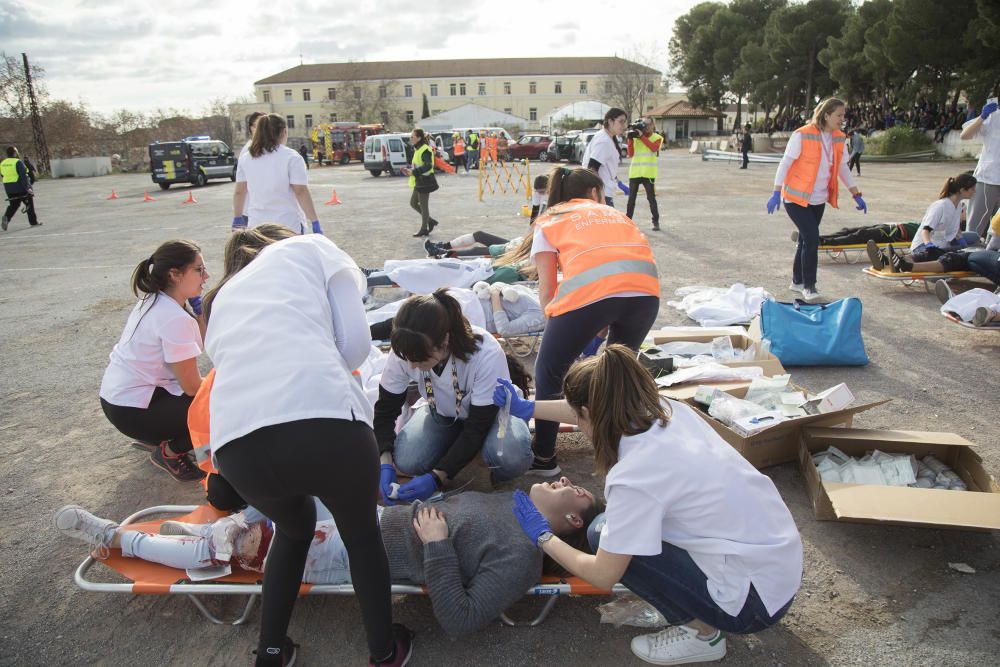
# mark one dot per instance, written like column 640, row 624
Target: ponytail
column 621, row 399
column 566, row 184
column 425, row 322
column 152, row 275
column 951, row 186
column 267, row 134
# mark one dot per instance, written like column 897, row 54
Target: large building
column 400, row 93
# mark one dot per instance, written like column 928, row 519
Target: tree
column 630, row 84
column 426, row 112
column 856, row 74
column 365, row 100
column 691, row 60
column 14, row 100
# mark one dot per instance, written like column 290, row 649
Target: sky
column 180, row 54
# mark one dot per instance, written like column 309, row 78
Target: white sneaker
column 78, row 523
column 796, row 287
column 678, row 645
column 810, row 294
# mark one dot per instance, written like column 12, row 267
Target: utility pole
column 38, row 133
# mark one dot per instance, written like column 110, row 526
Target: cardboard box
column 739, row 337
column 975, row 509
column 778, row 444
column 830, row 400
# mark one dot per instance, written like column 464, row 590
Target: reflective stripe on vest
column 644, row 163
column 605, row 270
column 9, row 170
column 417, row 162
column 801, row 177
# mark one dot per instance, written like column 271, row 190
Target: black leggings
column 166, row 418
column 485, row 239
column 566, row 336
column 278, row 469
column 884, row 233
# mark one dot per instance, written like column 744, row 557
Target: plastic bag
column 727, row 408
column 766, row 392
column 630, row 609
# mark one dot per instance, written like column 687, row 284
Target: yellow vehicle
column 339, row 143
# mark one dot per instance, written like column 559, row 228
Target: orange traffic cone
column 147, row 197
column 190, row 199
column 333, row 199
column 114, row 195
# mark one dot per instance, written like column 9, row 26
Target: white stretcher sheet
column 423, row 276
column 720, row 306
column 965, row 304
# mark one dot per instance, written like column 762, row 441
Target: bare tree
column 366, row 101
column 15, row 106
column 632, row 83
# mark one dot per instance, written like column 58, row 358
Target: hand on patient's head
column 430, row 525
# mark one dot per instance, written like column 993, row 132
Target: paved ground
column 872, row 594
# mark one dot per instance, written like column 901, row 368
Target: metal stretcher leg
column 542, row 615
column 242, row 618
column 532, row 347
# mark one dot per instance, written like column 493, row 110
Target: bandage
column 393, row 491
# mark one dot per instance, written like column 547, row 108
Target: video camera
column 636, row 129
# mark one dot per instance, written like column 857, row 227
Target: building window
column 649, row 107
column 453, row 89
column 357, row 92
column 461, row 89
column 267, row 96
column 288, row 95
column 558, row 89
column 385, row 117
column 532, row 88
column 532, row 113
column 333, row 118
column 508, row 110
column 583, row 87
column 506, row 87
column 407, row 91
column 382, row 92
column 434, row 90
column 331, row 94
column 649, row 87
column 290, row 122
column 309, row 121
column 306, row 95
column 409, row 117
column 482, row 88
column 607, row 87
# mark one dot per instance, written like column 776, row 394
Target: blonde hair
column 519, row 257
column 824, row 109
column 242, row 248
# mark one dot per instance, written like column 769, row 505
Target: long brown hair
column 267, row 134
column 963, row 181
column 566, row 184
column 423, row 322
column 242, row 248
column 621, row 399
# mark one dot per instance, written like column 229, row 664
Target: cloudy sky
column 180, row 54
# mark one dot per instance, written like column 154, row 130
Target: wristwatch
column 543, row 538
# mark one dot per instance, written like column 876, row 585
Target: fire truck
column 339, row 143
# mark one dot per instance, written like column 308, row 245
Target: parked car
column 561, row 148
column 387, row 152
column 445, row 144
column 580, row 145
column 531, row 147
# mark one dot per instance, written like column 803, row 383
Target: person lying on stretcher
column 985, row 263
column 468, row 548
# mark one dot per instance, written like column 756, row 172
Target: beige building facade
column 393, row 92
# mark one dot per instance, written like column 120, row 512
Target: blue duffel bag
column 822, row 334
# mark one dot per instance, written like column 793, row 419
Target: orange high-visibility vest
column 601, row 253
column 459, row 147
column 198, row 420
column 801, row 177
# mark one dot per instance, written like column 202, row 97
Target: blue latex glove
column 195, row 303
column 623, row 187
column 532, row 522
column 592, row 347
column 774, row 203
column 418, row 488
column 316, row 228
column 239, row 222
column 386, row 476
column 988, row 109
column 930, row 244
column 861, row 205
column 519, row 407
column 961, row 242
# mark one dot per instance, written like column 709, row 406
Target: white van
column 387, row 152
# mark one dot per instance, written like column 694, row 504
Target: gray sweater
column 485, row 565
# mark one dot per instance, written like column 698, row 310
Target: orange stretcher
column 910, row 278
column 147, row 578
column 849, row 254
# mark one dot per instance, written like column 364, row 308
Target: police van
column 387, row 152
column 193, row 160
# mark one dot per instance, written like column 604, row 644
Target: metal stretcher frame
column 849, row 253
column 991, row 326
column 910, row 279
column 550, row 588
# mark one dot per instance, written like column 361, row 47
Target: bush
column 896, row 140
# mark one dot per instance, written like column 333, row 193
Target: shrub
column 896, row 140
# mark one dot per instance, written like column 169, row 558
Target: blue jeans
column 986, row 263
column 673, row 583
column 427, row 436
column 609, row 201
column 806, row 219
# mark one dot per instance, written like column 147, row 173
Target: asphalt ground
column 871, row 594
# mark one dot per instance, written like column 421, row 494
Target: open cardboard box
column 739, row 336
column 778, row 444
column 975, row 509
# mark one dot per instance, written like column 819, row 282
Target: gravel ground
column 871, row 594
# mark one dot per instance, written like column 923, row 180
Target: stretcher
column 911, row 278
column 850, row 254
column 989, row 326
column 147, row 578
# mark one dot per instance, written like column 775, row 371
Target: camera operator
column 644, row 149
column 603, row 154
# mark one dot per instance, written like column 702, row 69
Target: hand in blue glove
column 774, row 203
column 961, row 242
column 195, row 303
column 592, row 347
column 861, row 205
column 623, row 187
column 316, row 228
column 386, row 476
column 418, row 488
column 988, row 109
column 532, row 522
column 519, row 407
column 239, row 222
column 930, row 244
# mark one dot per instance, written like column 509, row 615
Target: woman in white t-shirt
column 940, row 230
column 275, row 177
column 153, row 375
column 455, row 367
column 286, row 328
column 690, row 526
column 245, row 155
column 986, row 203
column 603, row 154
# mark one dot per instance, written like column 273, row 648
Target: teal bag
column 806, row 334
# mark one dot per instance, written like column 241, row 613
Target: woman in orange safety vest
column 609, row 279
column 816, row 155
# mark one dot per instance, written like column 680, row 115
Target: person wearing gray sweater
column 468, row 549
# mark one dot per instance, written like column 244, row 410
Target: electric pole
column 38, row 133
